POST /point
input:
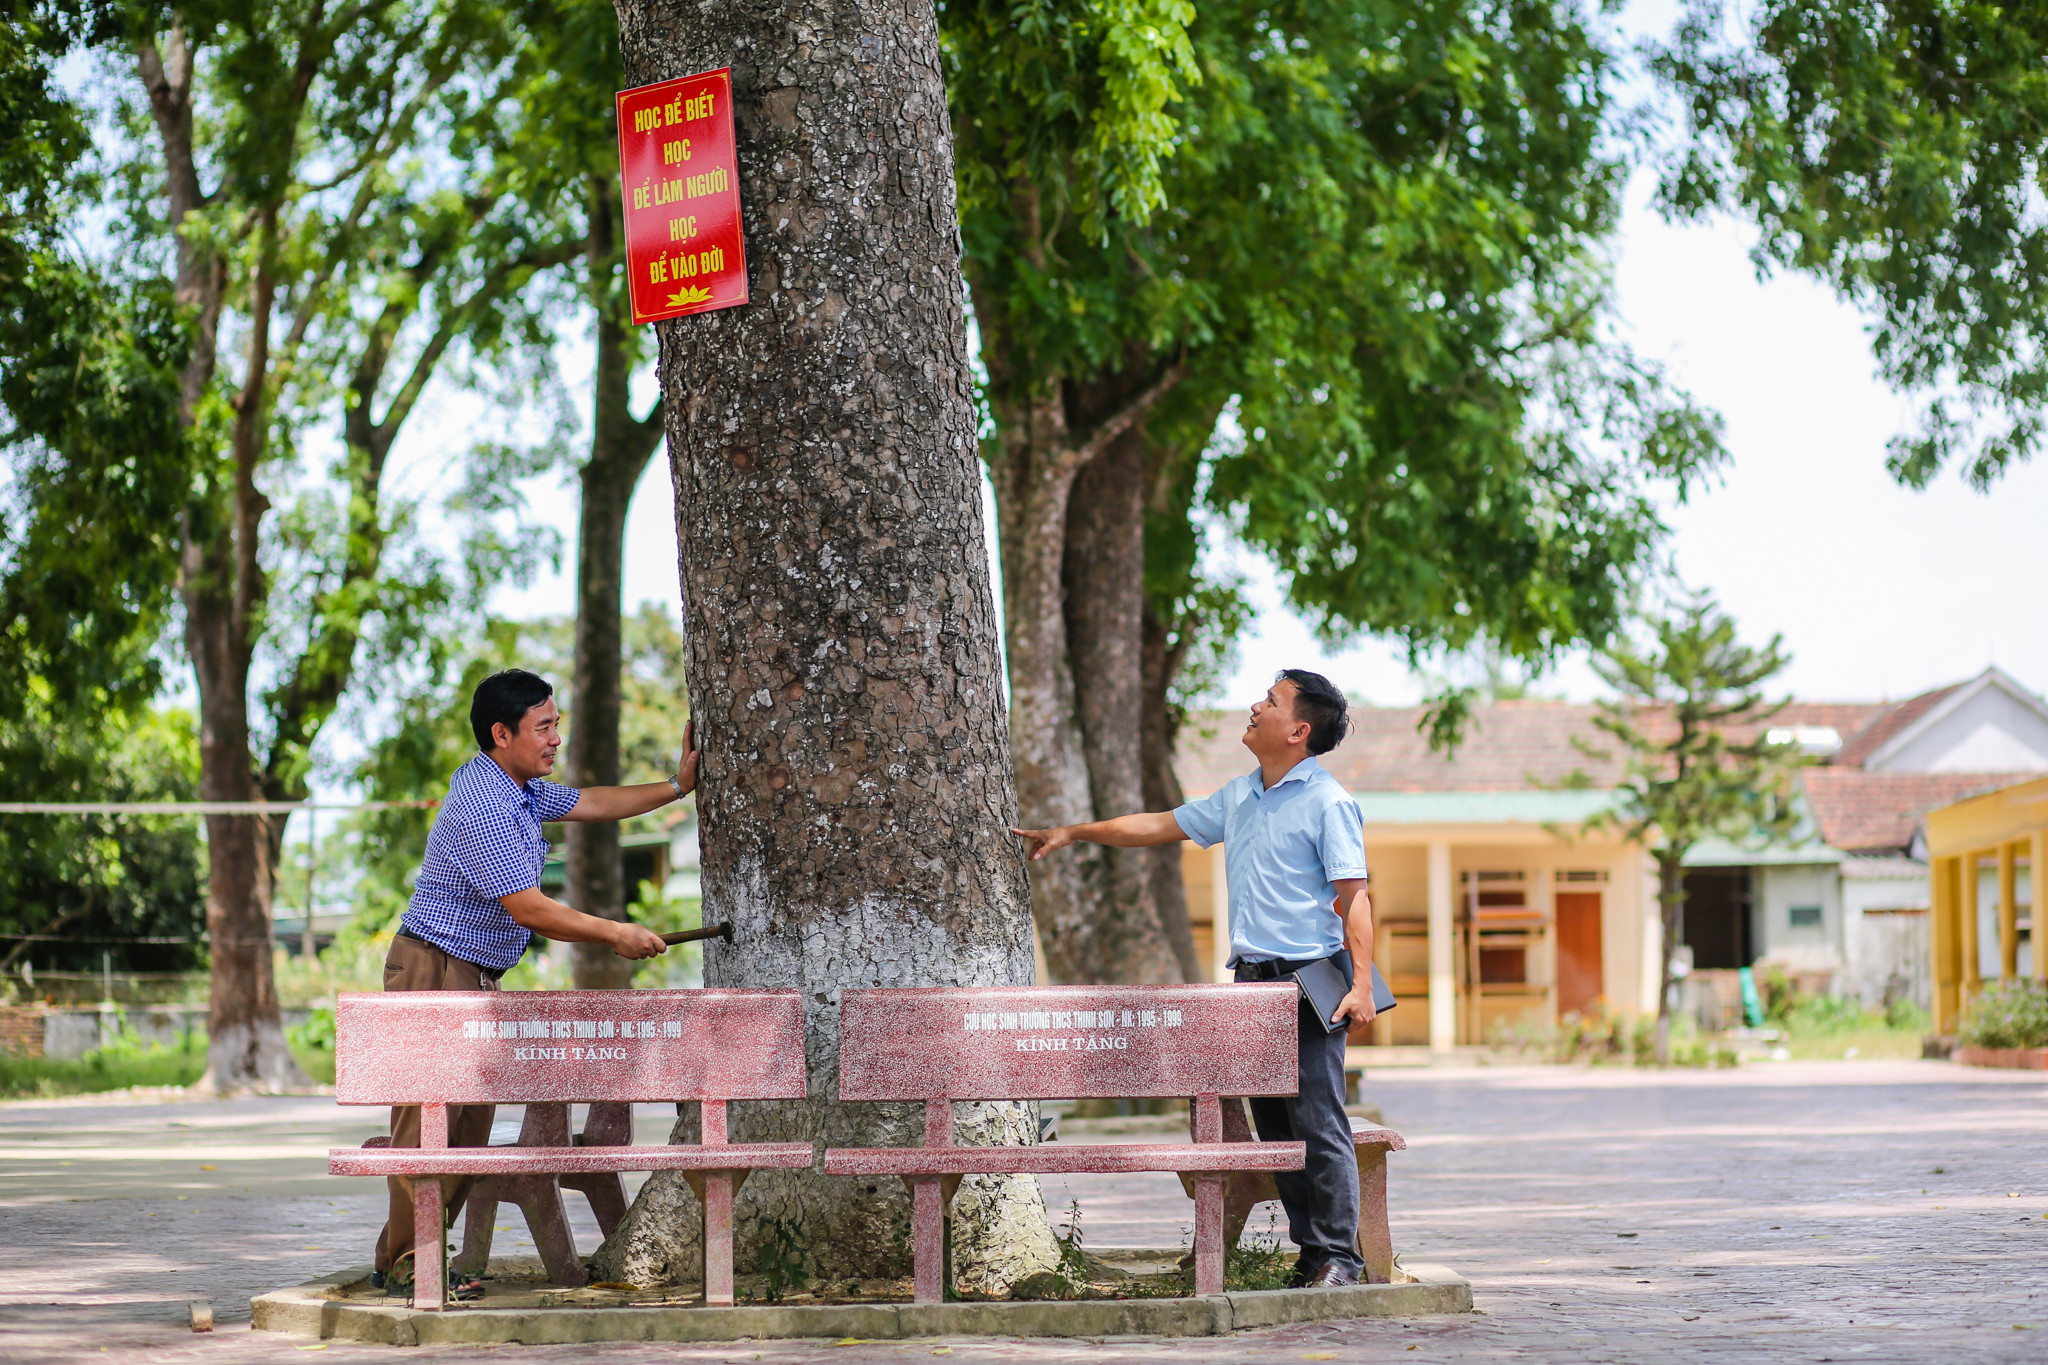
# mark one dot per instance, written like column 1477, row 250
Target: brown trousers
column 415, row 966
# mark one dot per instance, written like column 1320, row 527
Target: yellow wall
column 1986, row 859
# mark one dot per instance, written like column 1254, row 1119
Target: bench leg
column 480, row 1217
column 606, row 1191
column 928, row 1238
column 429, row 1280
column 717, row 1192
column 540, row 1199
column 1375, row 1239
column 1209, row 1234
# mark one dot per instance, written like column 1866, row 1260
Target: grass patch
column 115, row 1067
column 127, row 1062
column 1853, row 1044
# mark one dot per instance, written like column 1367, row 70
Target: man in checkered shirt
column 477, row 902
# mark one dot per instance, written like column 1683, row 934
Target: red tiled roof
column 1520, row 745
column 1860, row 810
column 1507, row 744
column 1858, row 747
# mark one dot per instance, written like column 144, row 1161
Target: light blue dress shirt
column 1285, row 848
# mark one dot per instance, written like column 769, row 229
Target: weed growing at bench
column 782, row 1259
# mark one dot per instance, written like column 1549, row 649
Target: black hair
column 1318, row 702
column 504, row 698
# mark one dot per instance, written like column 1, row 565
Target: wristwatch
column 676, row 786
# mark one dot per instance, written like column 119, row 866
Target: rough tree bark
column 1094, row 913
column 1158, row 737
column 620, row 446
column 1104, row 580
column 842, row 639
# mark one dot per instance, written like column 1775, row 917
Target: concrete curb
column 305, row 1310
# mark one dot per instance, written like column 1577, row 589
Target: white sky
column 1878, row 591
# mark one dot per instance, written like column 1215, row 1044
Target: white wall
column 1882, row 947
column 1805, row 948
column 1992, row 731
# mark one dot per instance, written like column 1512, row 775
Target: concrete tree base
column 315, row 1310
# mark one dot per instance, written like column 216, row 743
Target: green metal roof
column 1726, row 853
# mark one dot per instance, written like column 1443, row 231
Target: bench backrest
column 514, row 1047
column 1067, row 1042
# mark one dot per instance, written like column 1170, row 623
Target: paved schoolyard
column 1828, row 1211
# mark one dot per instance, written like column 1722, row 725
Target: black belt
column 1278, row 968
column 492, row 972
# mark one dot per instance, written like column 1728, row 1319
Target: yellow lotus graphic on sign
column 683, row 298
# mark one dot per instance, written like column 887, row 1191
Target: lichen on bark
column 856, row 780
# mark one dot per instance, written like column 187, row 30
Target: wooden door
column 1578, row 951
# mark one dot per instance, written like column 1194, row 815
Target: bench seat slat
column 1115, row 1158
column 755, row 1156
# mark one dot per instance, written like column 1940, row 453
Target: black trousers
column 1321, row 1199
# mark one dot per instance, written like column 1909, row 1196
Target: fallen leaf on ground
column 1320, row 1355
column 845, row 1341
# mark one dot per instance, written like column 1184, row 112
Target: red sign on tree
column 680, row 173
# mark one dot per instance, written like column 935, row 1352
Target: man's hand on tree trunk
column 1044, row 841
column 1126, row 831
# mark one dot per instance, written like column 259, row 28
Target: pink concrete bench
column 939, row 1045
column 437, row 1048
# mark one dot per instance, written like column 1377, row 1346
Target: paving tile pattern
column 1789, row 1212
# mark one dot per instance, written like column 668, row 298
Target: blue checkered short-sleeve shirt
column 486, row 843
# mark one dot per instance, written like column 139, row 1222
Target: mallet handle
column 723, row 931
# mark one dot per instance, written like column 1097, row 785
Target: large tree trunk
column 1158, row 734
column 1094, row 917
column 842, row 639
column 1104, row 576
column 221, row 585
column 619, row 450
column 1671, row 904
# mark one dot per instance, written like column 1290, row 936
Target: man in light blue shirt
column 1296, row 870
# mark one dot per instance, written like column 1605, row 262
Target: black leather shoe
column 1330, row 1277
column 1299, row 1276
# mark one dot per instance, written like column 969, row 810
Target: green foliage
column 2007, row 1014
column 1379, row 252
column 1074, row 95
column 1902, row 1014
column 126, row 885
column 1893, row 149
column 1688, row 718
column 1594, row 1036
column 1780, row 994
column 312, row 1045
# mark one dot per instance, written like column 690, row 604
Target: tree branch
column 1130, row 414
